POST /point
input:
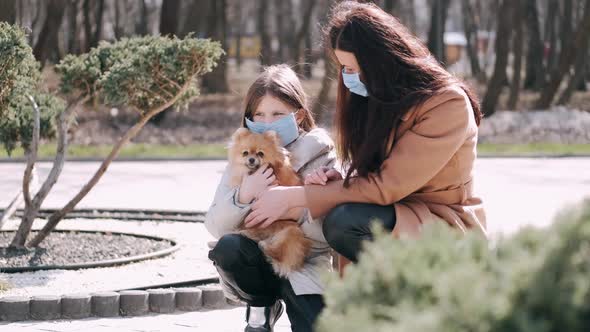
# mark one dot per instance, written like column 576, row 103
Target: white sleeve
column 225, row 213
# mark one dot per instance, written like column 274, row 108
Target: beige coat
column 428, row 176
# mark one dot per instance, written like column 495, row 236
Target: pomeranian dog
column 283, row 242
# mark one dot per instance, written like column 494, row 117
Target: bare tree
column 502, row 46
column 303, row 30
column 551, row 25
column 8, row 11
column 517, row 46
column 216, row 81
column 436, row 44
column 93, row 16
column 576, row 79
column 169, row 17
column 534, row 77
column 470, row 27
column 577, row 44
column 262, row 27
column 390, row 6
column 141, row 27
column 48, row 36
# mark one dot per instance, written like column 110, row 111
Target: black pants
column 349, row 224
column 244, row 269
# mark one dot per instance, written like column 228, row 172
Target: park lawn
column 129, row 151
column 216, row 151
column 545, row 149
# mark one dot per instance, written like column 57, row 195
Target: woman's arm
column 415, row 159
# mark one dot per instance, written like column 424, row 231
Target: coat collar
column 308, row 146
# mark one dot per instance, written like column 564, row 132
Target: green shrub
column 537, row 280
column 19, row 74
column 141, row 72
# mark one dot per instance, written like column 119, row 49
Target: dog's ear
column 272, row 135
column 240, row 133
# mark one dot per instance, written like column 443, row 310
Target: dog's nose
column 251, row 160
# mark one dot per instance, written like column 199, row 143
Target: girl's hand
column 322, row 175
column 256, row 183
column 270, row 206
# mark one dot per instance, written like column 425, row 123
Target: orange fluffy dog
column 283, row 242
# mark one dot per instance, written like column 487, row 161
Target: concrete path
column 516, row 191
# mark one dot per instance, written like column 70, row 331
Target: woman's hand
column 322, row 175
column 272, row 205
column 256, row 183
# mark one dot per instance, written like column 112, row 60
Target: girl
column 407, row 134
column 276, row 100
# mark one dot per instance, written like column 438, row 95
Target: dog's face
column 253, row 150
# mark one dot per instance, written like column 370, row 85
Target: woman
column 275, row 101
column 407, row 135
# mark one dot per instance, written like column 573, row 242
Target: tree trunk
column 11, row 208
column 436, row 43
column 238, row 37
column 8, row 11
column 575, row 78
column 33, row 206
column 502, row 46
column 280, row 15
column 261, row 24
column 308, row 57
column 551, row 35
column 57, row 216
column 198, row 20
column 31, row 152
column 579, row 44
column 169, row 17
column 390, row 6
column 517, row 47
column 472, row 40
column 141, row 28
column 117, row 28
column 308, row 6
column 322, row 99
column 534, row 77
column 73, row 40
column 216, row 81
column 48, row 36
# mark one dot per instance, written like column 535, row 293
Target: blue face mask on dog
column 286, row 127
column 354, row 84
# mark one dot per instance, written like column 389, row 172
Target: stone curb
column 112, row 304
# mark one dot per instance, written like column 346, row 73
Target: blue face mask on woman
column 354, row 84
column 286, row 127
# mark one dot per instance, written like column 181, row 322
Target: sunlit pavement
column 516, row 192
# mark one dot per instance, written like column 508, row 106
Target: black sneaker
column 271, row 314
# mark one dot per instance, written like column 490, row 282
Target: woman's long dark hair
column 399, row 73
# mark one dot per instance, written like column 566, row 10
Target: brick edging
column 111, row 304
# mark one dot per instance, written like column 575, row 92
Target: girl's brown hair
column 399, row 73
column 281, row 82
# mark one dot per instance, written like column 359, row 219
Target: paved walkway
column 517, row 192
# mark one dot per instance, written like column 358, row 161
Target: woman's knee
column 337, row 225
column 225, row 254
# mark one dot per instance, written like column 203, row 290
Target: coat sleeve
column 417, row 156
column 312, row 227
column 225, row 213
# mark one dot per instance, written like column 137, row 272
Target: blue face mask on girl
column 286, row 127
column 354, row 84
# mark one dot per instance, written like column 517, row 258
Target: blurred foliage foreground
column 536, row 280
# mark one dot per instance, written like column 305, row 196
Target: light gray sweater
column 308, row 152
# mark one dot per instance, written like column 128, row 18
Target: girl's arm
column 225, row 213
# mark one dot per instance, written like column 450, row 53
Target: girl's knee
column 225, row 253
